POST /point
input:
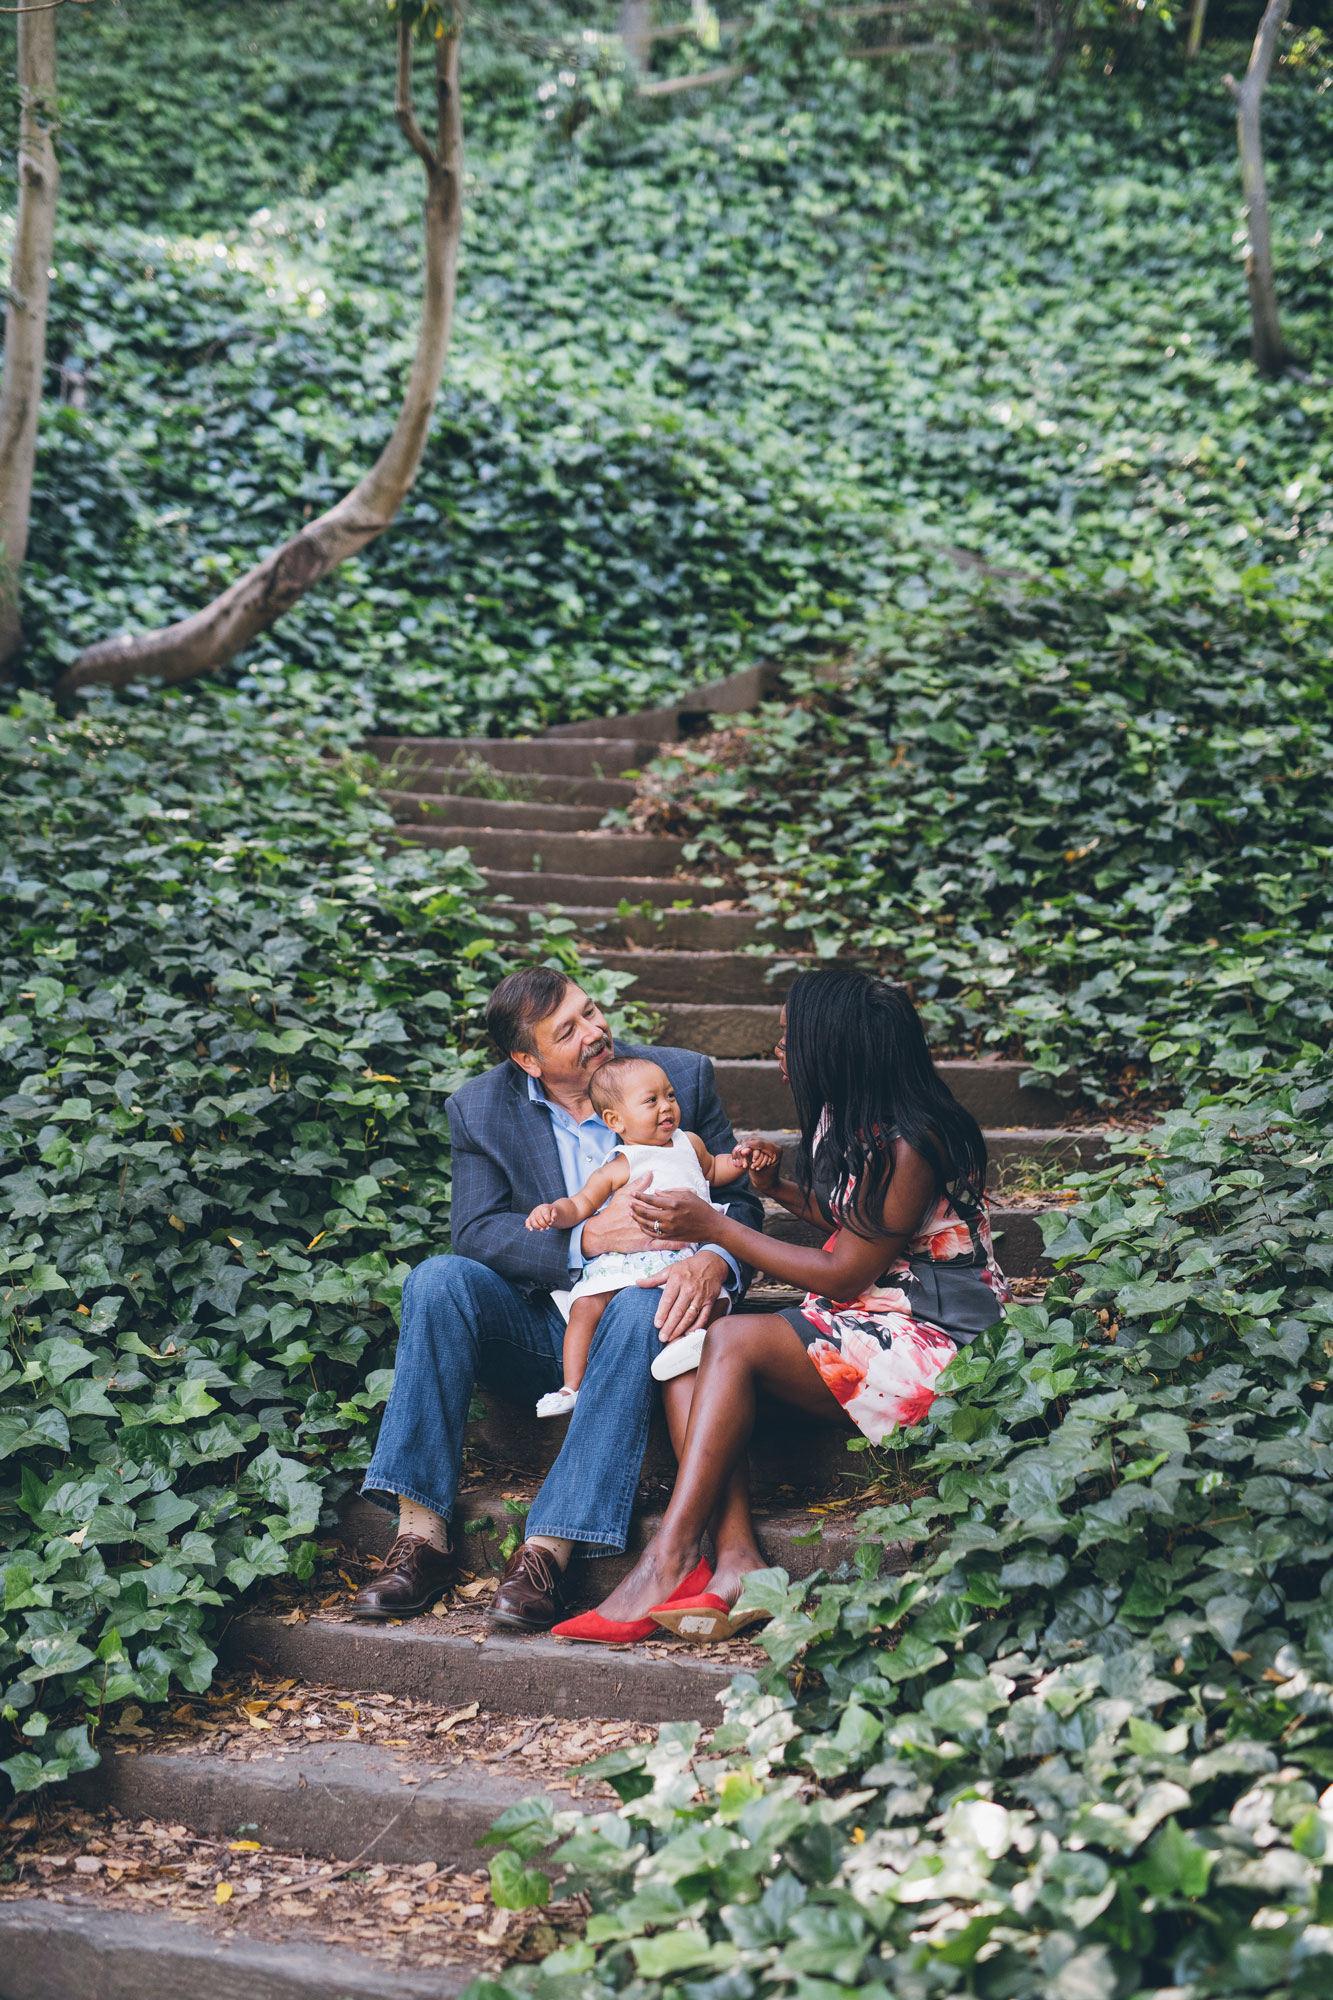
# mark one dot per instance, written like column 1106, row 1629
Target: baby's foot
column 558, row 1403
column 678, row 1357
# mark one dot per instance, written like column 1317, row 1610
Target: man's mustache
column 597, row 1048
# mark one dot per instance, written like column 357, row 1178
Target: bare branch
column 208, row 638
column 27, row 296
column 1198, row 16
column 1267, row 346
column 1265, row 44
column 883, row 49
column 448, row 109
column 670, row 86
column 402, row 104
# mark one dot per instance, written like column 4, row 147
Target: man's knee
column 445, row 1287
column 632, row 1314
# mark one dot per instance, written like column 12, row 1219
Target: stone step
column 597, row 928
column 754, row 1094
column 696, row 711
column 662, row 725
column 536, row 756
column 74, row 1951
column 319, row 1798
column 591, row 855
column 447, row 809
column 771, row 1295
column 726, row 1029
column 706, row 978
column 482, row 786
column 600, row 893
column 1007, row 1147
column 527, row 1445
column 1016, row 1232
column 520, row 1676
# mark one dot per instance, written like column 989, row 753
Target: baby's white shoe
column 678, row 1357
column 558, row 1403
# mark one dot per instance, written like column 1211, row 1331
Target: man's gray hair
column 520, row 1003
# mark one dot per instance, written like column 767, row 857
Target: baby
column 634, row 1097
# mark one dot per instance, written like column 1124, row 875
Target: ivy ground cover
column 1087, row 820
column 724, row 367
column 228, row 1024
column 1078, row 1744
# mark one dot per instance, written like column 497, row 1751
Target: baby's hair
column 606, row 1084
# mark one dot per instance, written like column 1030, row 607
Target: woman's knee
column 759, row 1343
column 731, row 1339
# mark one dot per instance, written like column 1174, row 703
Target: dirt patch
column 416, row 1917
column 245, row 1716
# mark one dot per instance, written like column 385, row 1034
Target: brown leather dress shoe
column 531, row 1596
column 411, row 1577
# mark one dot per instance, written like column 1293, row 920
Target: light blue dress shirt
column 582, row 1149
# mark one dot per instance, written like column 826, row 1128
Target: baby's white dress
column 673, row 1166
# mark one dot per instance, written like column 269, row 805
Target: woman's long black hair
column 859, row 1068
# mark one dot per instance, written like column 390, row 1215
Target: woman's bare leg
column 731, row 1524
column 742, row 1356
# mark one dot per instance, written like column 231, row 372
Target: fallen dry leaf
column 459, row 1715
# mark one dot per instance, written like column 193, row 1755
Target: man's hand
column 690, row 1290
column 614, row 1227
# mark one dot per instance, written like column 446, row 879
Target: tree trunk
column 212, row 636
column 1054, row 22
column 25, row 313
column 635, row 27
column 1267, row 347
column 1198, row 15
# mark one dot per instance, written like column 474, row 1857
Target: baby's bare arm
column 571, row 1209
column 719, row 1169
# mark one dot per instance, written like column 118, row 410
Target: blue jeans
column 462, row 1323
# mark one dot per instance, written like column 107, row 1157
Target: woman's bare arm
column 789, row 1196
column 853, row 1262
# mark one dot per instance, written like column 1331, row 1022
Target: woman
column 897, row 1168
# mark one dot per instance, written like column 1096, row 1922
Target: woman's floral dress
column 880, row 1353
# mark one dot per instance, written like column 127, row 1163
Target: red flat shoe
column 703, row 1619
column 628, row 1631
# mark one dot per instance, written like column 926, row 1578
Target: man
column 524, row 1133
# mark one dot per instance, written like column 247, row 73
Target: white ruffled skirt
column 617, row 1269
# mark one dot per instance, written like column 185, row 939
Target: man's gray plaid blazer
column 505, row 1162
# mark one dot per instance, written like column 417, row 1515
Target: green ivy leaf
column 514, row 1887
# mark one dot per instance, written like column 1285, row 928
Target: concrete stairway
column 531, row 813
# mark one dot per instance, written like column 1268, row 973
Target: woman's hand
column 761, row 1161
column 614, row 1227
column 674, row 1215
